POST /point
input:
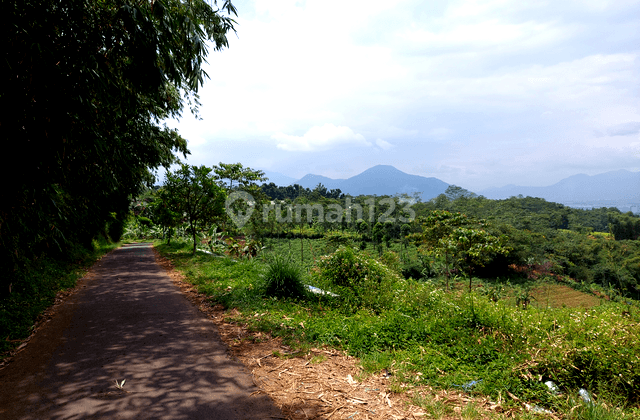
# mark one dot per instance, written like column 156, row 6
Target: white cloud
column 318, row 138
column 625, row 129
column 489, row 91
column 384, row 145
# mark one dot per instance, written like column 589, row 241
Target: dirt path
column 129, row 322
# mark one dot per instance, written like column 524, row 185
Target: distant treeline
column 524, row 213
column 536, row 214
column 294, row 191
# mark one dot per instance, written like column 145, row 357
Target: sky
column 476, row 93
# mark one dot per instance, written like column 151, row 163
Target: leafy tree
column 438, row 225
column 625, row 226
column 88, row 83
column 294, row 191
column 228, row 173
column 236, row 177
column 164, row 210
column 362, row 227
column 193, row 192
column 462, row 241
column 318, row 192
column 405, row 231
column 472, row 247
column 377, row 235
column 453, row 192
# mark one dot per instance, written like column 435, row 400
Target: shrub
column 598, row 351
column 392, row 261
column 360, row 280
column 115, row 228
column 284, row 278
column 145, row 221
column 337, row 239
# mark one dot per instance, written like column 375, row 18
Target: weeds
column 284, row 278
column 426, row 336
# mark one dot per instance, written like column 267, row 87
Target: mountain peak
column 383, row 168
column 380, row 180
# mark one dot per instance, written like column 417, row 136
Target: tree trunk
column 193, row 232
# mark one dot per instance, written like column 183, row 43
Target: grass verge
column 457, row 341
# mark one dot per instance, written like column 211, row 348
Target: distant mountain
column 278, row 178
column 379, row 180
column 311, row 181
column 612, row 188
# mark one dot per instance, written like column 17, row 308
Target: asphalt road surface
column 129, row 322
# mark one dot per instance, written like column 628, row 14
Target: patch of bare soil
column 320, row 384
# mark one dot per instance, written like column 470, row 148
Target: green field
column 443, row 339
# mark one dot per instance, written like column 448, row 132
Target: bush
column 145, row 221
column 337, row 239
column 598, row 352
column 358, row 279
column 391, row 260
column 284, row 278
column 115, row 229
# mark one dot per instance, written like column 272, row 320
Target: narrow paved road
column 129, row 322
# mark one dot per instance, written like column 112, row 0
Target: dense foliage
column 358, row 280
column 294, row 191
column 584, row 247
column 86, row 86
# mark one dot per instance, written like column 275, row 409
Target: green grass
column 444, row 339
column 284, row 278
column 36, row 288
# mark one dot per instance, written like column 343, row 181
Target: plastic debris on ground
column 585, row 396
column 468, row 385
column 552, row 387
column 537, row 409
column 318, row 291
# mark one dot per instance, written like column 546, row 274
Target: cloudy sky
column 475, row 93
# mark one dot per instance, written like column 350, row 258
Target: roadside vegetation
column 36, row 287
column 529, row 303
column 486, row 342
column 85, row 130
column 91, row 83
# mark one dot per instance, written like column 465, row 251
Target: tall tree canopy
column 233, row 176
column 86, row 86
